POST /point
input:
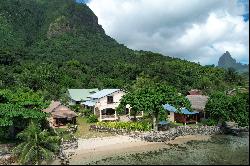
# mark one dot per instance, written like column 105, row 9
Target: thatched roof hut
column 57, row 110
column 195, row 92
column 52, row 106
column 198, row 102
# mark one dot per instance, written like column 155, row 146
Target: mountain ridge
column 52, row 45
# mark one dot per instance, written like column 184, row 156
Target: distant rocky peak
column 226, row 61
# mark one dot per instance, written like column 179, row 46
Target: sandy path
column 99, row 148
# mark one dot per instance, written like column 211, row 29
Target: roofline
column 110, row 93
column 85, row 89
column 80, row 89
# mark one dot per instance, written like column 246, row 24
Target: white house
column 104, row 103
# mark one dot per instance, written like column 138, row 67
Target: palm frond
column 30, row 156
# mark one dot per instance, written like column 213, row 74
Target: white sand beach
column 98, row 148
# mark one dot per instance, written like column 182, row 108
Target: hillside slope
column 52, row 45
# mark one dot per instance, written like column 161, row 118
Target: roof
column 185, row 111
column 63, row 112
column 103, row 93
column 195, row 92
column 89, row 103
column 81, row 94
column 163, row 122
column 57, row 110
column 52, row 106
column 198, row 102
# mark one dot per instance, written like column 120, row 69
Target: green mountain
column 226, row 61
column 52, row 45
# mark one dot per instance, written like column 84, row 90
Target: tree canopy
column 222, row 107
column 150, row 97
column 18, row 108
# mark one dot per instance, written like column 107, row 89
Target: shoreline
column 94, row 149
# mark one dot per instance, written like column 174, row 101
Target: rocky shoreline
column 172, row 133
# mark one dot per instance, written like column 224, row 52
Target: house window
column 110, row 99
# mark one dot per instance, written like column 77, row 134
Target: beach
column 98, row 148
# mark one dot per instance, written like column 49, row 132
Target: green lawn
column 83, row 130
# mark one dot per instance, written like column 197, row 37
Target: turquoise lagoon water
column 219, row 150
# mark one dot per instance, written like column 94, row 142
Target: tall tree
column 229, row 108
column 151, row 97
column 17, row 108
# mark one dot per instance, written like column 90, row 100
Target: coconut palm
column 37, row 145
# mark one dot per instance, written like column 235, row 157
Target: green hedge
column 92, row 119
column 131, row 126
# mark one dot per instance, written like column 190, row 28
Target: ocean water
column 219, row 150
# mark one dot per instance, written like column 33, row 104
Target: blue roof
column 89, row 103
column 163, row 122
column 185, row 111
column 103, row 93
column 169, row 108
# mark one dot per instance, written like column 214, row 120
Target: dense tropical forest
column 50, row 46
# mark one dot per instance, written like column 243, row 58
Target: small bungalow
column 60, row 114
column 182, row 116
column 198, row 103
column 79, row 96
column 104, row 103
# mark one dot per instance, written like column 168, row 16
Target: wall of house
column 102, row 103
column 171, row 117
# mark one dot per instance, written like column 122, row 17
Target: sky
column 196, row 30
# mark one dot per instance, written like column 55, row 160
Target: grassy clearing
column 83, row 130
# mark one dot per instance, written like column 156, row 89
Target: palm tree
column 37, row 145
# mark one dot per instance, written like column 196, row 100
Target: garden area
column 83, row 130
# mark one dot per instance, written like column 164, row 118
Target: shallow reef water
column 219, row 150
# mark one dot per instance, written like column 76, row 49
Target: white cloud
column 193, row 30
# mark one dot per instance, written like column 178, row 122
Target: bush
column 131, row 126
column 92, row 119
column 85, row 112
column 209, row 122
column 76, row 108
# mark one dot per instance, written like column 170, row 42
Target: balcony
column 108, row 117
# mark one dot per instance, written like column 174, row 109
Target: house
column 60, row 114
column 104, row 103
column 198, row 103
column 78, row 96
column 182, row 116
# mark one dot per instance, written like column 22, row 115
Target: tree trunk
column 12, row 132
column 135, row 116
column 155, row 122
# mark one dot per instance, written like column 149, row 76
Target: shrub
column 92, row 119
column 76, row 108
column 131, row 126
column 85, row 112
column 209, row 122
